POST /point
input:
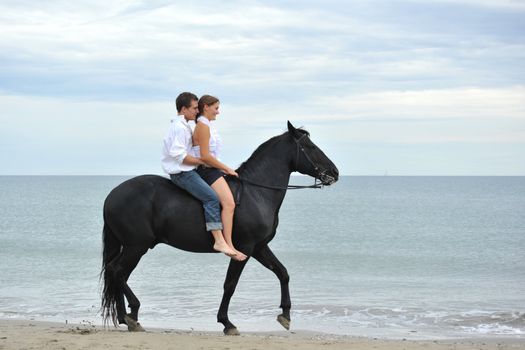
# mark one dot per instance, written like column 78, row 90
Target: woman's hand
column 232, row 172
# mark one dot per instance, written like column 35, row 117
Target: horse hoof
column 284, row 322
column 133, row 326
column 138, row 328
column 231, row 331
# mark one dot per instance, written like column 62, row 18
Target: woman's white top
column 215, row 143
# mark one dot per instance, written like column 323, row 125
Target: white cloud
column 467, row 115
column 89, row 137
column 511, row 4
column 116, row 48
column 83, row 33
column 466, row 103
column 373, row 70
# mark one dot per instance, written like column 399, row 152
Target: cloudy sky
column 404, row 87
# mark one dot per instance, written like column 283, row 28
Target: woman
column 206, row 146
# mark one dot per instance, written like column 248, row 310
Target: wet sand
column 26, row 334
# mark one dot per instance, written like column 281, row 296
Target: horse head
column 309, row 158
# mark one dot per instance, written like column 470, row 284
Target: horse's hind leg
column 127, row 262
column 232, row 278
column 266, row 257
column 119, row 299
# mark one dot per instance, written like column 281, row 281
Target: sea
column 392, row 257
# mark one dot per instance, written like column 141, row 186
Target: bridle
column 321, row 174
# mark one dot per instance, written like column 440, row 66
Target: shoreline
column 18, row 334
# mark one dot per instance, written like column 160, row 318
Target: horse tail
column 111, row 290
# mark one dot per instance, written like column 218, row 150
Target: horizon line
column 293, row 175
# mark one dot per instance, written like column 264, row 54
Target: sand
column 26, row 334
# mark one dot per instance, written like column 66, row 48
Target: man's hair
column 184, row 100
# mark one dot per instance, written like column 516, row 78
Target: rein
column 242, row 182
column 282, row 188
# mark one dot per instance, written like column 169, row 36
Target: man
column 180, row 166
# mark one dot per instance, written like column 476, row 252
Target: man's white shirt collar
column 182, row 119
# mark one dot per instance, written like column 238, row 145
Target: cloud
column 95, row 75
column 463, row 103
column 458, row 115
column 111, row 50
column 505, row 4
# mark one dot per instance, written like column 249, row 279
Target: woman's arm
column 202, row 138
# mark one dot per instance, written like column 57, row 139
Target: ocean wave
column 445, row 322
column 494, row 329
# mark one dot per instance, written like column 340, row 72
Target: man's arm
column 190, row 160
column 179, row 152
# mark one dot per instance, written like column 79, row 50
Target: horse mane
column 267, row 144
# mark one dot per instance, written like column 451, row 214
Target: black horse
column 149, row 209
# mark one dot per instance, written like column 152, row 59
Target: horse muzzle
column 328, row 177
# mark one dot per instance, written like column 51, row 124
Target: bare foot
column 240, row 255
column 224, row 248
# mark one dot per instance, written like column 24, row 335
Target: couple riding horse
column 147, row 210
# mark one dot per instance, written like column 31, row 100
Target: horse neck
column 271, row 168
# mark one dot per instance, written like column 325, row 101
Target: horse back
column 150, row 209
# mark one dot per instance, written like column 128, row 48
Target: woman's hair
column 206, row 100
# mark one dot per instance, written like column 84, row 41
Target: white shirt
column 176, row 145
column 215, row 143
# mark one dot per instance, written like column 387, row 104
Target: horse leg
column 266, row 257
column 232, row 278
column 127, row 262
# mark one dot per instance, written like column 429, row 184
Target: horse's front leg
column 232, row 278
column 267, row 259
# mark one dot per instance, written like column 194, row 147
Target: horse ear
column 291, row 128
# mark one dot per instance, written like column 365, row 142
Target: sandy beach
column 27, row 334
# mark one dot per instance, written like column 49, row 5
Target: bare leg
column 228, row 207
